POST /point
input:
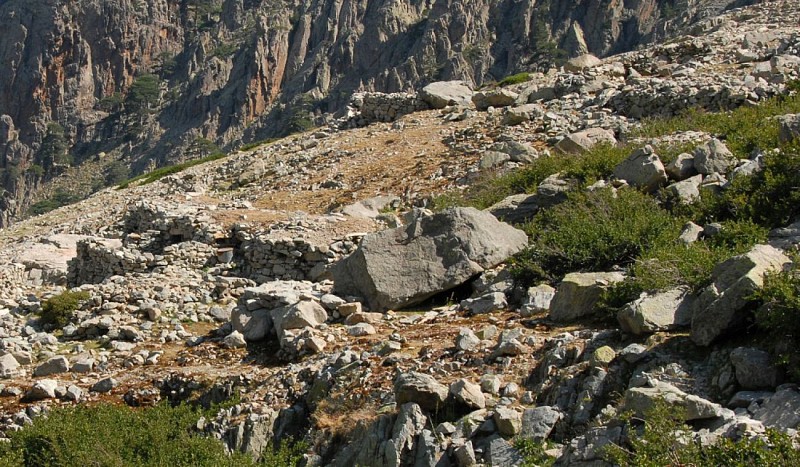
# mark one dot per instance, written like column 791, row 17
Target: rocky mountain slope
column 138, row 83
column 307, row 277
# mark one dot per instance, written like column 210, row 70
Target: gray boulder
column 466, row 340
column 515, row 208
column 42, row 389
column 682, row 167
column 519, row 152
column 781, row 410
column 538, row 422
column 54, row 365
column 577, row 295
column 686, row 191
column 581, row 141
column 642, row 169
column 754, row 369
column 370, row 208
column 104, row 385
column 443, row 93
column 713, row 157
column 400, row 267
column 234, row 340
column 641, row 400
column 421, row 389
column 468, row 393
column 522, row 113
column 500, row 452
column 657, row 312
column 9, row 366
column 490, row 159
column 790, row 127
column 508, row 421
column 722, row 305
column 494, row 98
column 537, row 300
column 485, row 303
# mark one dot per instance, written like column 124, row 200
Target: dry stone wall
column 371, row 107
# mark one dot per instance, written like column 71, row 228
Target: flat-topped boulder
column 443, row 93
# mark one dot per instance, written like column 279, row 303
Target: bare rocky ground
column 217, row 280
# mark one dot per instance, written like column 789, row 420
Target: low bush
column 593, row 232
column 116, row 435
column 59, row 309
column 745, row 129
column 665, row 440
column 120, row 436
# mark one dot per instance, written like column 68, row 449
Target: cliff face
column 143, row 80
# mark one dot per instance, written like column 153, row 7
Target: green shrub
column 60, row 198
column 593, row 232
column 745, row 129
column 256, row 144
column 59, row 309
column 770, row 198
column 116, row 435
column 584, row 168
column 515, row 79
column 780, row 311
column 533, row 454
column 666, row 440
column 289, row 453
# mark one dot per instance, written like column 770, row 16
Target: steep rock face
column 244, row 69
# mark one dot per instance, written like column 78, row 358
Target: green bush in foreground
column 59, row 309
column 666, row 440
column 108, row 435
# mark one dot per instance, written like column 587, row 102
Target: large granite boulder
column 723, row 304
column 443, row 93
column 400, row 267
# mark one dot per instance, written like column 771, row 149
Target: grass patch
column 745, row 129
column 162, row 172
column 256, row 144
column 515, row 79
column 59, row 199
